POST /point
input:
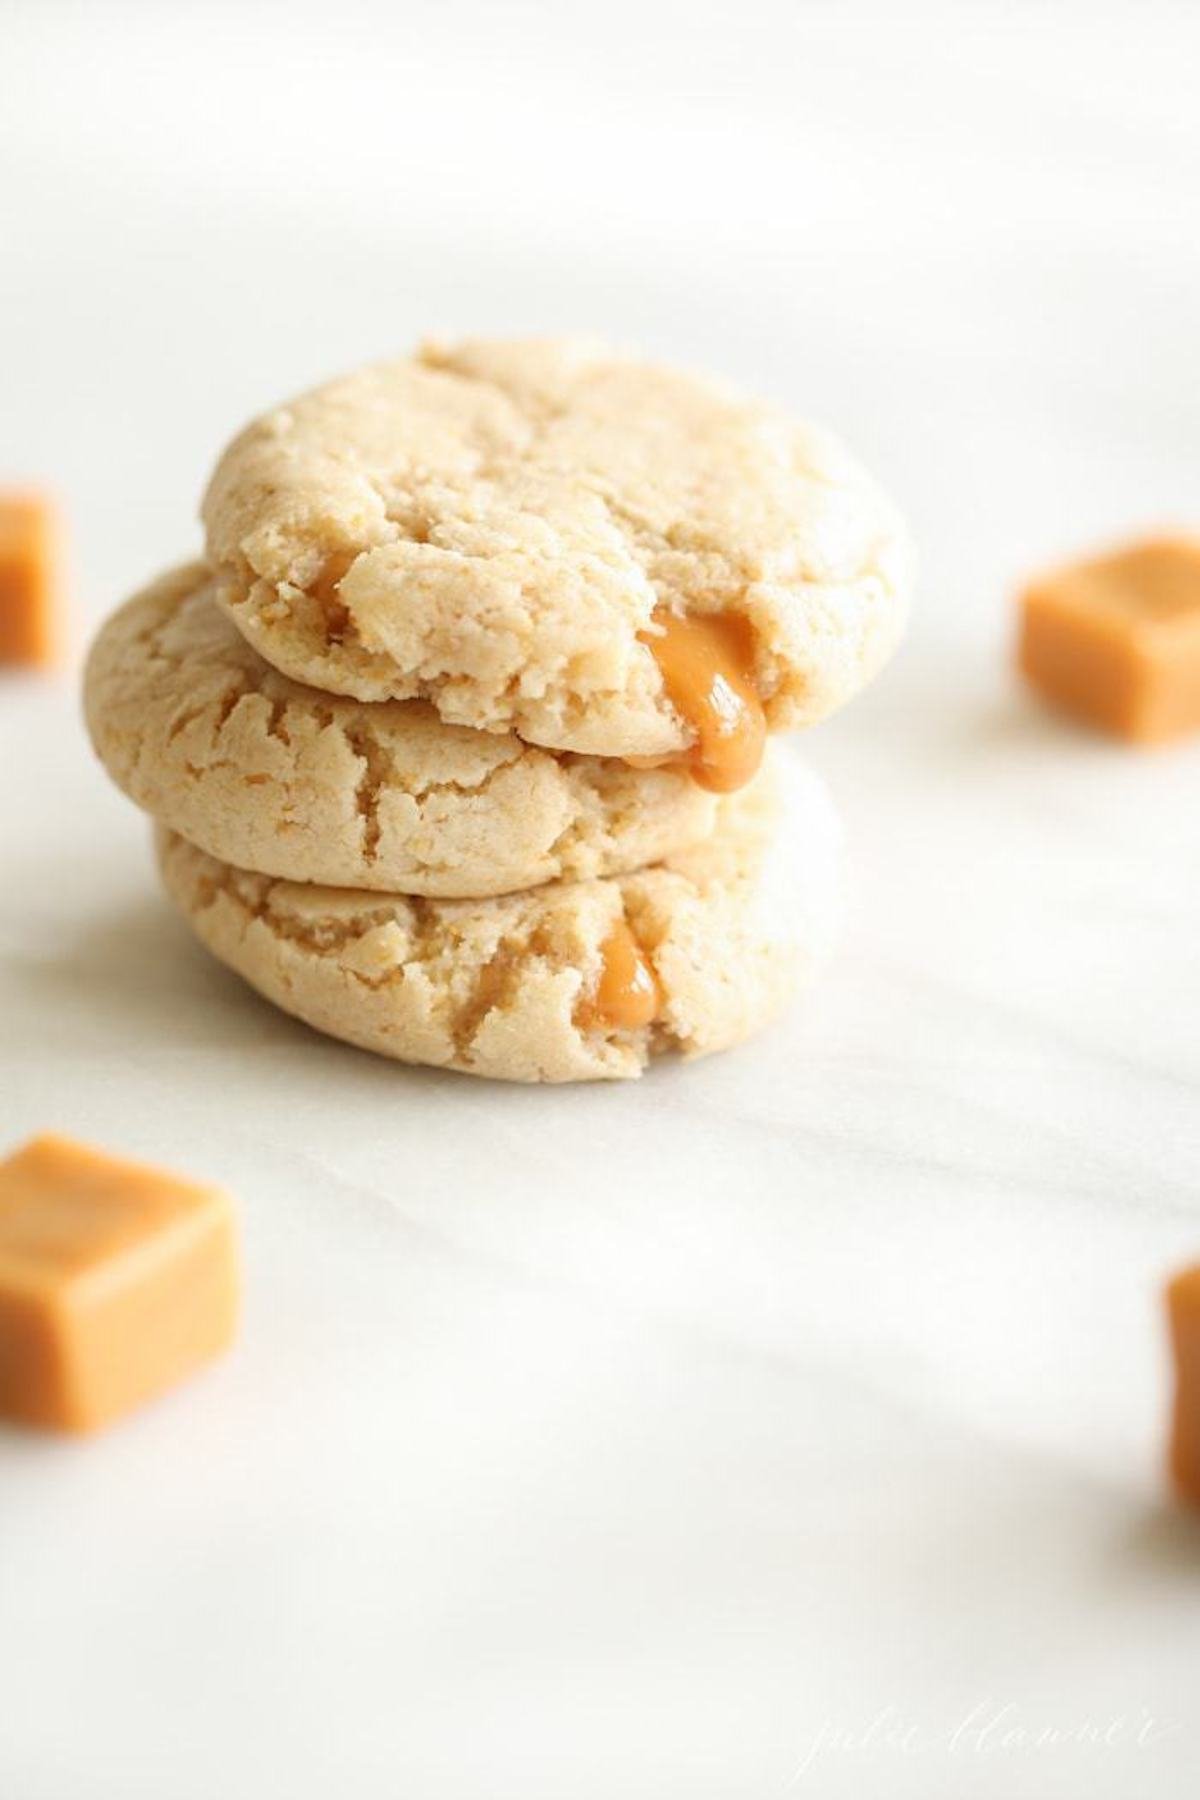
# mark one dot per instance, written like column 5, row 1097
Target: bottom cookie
column 572, row 981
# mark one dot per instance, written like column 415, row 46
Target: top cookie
column 520, row 532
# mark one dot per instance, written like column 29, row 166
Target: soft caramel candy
column 1117, row 640
column 30, row 580
column 707, row 666
column 1183, row 1318
column 116, row 1281
column 627, row 993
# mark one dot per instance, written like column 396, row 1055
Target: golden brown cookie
column 261, row 772
column 505, row 529
column 572, row 981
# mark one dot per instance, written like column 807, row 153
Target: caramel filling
column 627, row 994
column 707, row 665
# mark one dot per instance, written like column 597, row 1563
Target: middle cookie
column 269, row 775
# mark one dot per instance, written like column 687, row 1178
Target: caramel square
column 30, row 580
column 1116, row 640
column 116, row 1281
column 1183, row 1318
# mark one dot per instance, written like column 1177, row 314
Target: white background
column 777, row 1424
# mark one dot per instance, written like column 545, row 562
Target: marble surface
column 787, row 1423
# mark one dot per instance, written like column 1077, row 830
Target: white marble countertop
column 787, row 1423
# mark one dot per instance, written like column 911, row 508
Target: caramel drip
column 707, row 665
column 627, row 994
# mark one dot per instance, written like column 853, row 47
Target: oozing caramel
column 627, row 994
column 707, row 664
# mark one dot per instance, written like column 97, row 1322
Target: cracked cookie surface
column 263, row 773
column 506, row 987
column 493, row 525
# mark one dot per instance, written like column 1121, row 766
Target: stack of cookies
column 455, row 738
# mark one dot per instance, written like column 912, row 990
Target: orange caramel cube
column 1183, row 1319
column 30, row 579
column 116, row 1281
column 1117, row 640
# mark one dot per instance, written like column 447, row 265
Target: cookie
column 197, row 729
column 523, row 532
column 573, row 981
